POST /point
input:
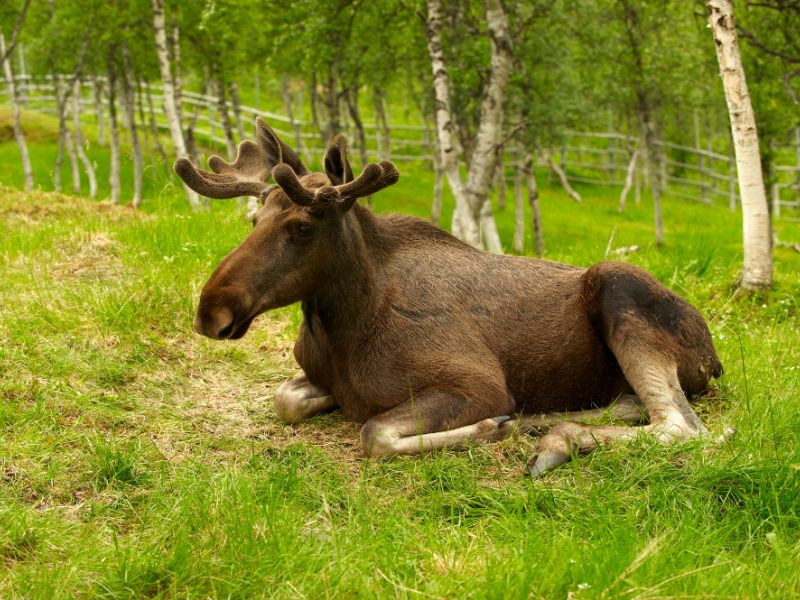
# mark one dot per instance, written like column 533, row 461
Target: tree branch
column 12, row 40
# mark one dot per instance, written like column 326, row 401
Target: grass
column 138, row 459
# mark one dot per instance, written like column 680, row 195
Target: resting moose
column 430, row 342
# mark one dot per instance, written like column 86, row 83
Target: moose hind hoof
column 544, row 461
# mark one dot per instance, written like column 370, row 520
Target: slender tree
column 169, row 89
column 16, row 118
column 757, row 271
column 471, row 196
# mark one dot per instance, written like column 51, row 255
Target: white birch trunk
column 757, row 271
column 491, row 237
column 500, row 182
column 151, row 111
column 222, row 111
column 170, row 105
column 130, row 111
column 19, row 133
column 288, row 106
column 236, row 104
column 113, row 134
column 73, row 160
column 519, row 211
column 438, row 184
column 533, row 201
column 629, row 178
column 562, row 178
column 465, row 221
column 489, row 136
column 473, row 214
column 97, row 94
column 76, row 125
column 65, row 140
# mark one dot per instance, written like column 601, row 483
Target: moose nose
column 217, row 324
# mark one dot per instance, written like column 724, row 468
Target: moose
column 432, row 343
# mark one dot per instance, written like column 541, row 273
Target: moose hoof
column 545, row 461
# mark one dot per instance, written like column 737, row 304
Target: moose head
column 303, row 219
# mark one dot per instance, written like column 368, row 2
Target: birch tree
column 167, row 83
column 79, row 141
column 757, row 269
column 471, row 195
column 19, row 133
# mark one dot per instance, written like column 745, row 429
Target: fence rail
column 598, row 158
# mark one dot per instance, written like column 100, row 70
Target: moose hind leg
column 299, row 399
column 655, row 381
column 436, row 420
column 627, row 408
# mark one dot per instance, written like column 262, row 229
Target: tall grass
column 138, row 459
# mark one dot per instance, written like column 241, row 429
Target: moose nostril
column 226, row 331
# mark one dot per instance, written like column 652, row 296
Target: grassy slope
column 138, row 459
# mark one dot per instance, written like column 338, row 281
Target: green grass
column 138, row 459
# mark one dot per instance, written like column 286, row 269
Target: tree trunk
column 222, row 111
column 171, row 102
column 351, row 97
column 491, row 237
column 757, row 271
column 629, row 178
column 113, row 131
column 236, row 104
column 286, row 96
column 139, row 98
column 19, row 134
column 488, row 139
column 465, row 220
column 330, row 97
column 382, row 131
column 130, row 110
column 73, row 160
column 500, row 182
column 650, row 163
column 177, row 81
column 151, row 111
column 315, row 102
column 438, row 184
column 562, row 177
column 519, row 210
column 76, row 125
column 97, row 92
column 533, row 200
column 65, row 140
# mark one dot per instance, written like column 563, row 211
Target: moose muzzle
column 222, row 315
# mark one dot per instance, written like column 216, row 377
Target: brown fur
column 406, row 326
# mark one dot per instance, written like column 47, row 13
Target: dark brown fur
column 403, row 321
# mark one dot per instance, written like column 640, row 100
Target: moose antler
column 248, row 174
column 374, row 177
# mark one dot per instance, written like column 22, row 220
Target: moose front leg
column 299, row 399
column 436, row 420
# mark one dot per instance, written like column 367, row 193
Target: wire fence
column 598, row 158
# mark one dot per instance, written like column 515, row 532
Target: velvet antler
column 374, row 177
column 248, row 174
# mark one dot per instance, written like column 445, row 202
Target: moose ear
column 336, row 166
column 275, row 150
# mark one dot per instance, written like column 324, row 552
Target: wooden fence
column 598, row 158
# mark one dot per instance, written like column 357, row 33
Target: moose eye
column 302, row 230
